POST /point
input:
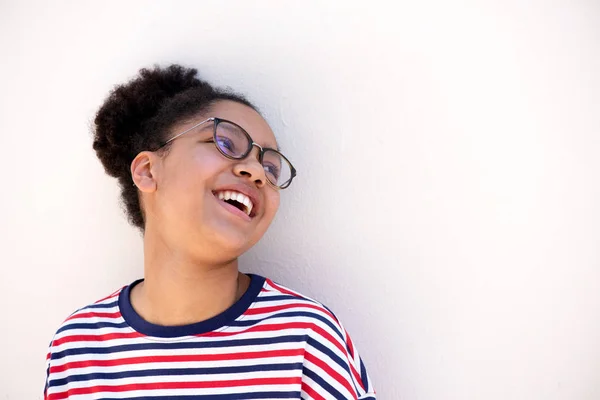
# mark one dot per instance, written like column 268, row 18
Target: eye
column 272, row 170
column 226, row 144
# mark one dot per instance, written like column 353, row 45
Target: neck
column 180, row 290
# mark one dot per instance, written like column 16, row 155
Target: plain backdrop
column 447, row 205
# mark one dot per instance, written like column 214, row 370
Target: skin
column 191, row 242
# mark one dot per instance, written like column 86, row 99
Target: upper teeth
column 237, row 196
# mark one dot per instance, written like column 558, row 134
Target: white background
column 447, row 205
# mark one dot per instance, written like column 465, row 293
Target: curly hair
column 138, row 115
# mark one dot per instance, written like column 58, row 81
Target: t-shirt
column 273, row 343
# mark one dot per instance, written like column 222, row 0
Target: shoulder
column 280, row 302
column 87, row 323
column 277, row 297
column 103, row 313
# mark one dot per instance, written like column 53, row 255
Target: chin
column 231, row 244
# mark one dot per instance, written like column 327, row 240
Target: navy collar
column 134, row 320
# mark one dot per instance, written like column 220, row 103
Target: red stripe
column 350, row 345
column 355, row 373
column 311, row 392
column 357, row 376
column 177, row 358
column 114, row 294
column 264, row 310
column 96, row 338
column 176, row 385
column 284, row 290
column 95, row 314
column 330, row 372
column 280, row 327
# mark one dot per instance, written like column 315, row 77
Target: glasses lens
column 277, row 169
column 232, row 140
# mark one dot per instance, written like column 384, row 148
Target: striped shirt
column 273, row 343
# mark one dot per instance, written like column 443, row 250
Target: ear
column 142, row 171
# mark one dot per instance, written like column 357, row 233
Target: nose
column 251, row 168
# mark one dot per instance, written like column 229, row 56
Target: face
column 186, row 203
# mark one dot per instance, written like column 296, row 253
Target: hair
column 138, row 116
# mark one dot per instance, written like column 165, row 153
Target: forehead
column 247, row 118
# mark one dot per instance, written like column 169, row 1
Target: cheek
column 273, row 203
column 197, row 170
column 189, row 179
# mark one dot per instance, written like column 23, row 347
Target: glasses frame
column 251, row 143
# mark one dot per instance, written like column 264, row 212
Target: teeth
column 236, row 196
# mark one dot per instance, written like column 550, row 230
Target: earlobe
column 141, row 172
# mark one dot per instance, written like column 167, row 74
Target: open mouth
column 237, row 200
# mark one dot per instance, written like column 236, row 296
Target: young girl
column 200, row 175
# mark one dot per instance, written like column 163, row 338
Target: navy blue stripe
column 334, row 357
column 291, row 313
column 321, row 382
column 309, row 314
column 286, row 297
column 363, row 375
column 177, row 345
column 234, row 396
column 277, row 297
column 92, row 325
column 332, row 313
column 177, row 372
column 103, row 305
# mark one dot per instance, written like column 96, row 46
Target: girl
column 200, row 175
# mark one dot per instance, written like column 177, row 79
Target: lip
column 252, row 193
column 234, row 210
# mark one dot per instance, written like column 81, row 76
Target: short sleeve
column 47, row 373
column 333, row 368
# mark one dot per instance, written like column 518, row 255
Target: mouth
column 237, row 203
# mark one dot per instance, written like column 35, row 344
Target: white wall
column 447, row 203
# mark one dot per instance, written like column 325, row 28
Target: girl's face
column 185, row 208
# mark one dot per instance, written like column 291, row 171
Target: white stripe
column 144, row 340
column 183, row 392
column 175, row 365
column 174, row 378
column 178, row 352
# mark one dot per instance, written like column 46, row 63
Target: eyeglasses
column 235, row 143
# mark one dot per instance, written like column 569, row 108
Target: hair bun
column 120, row 122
